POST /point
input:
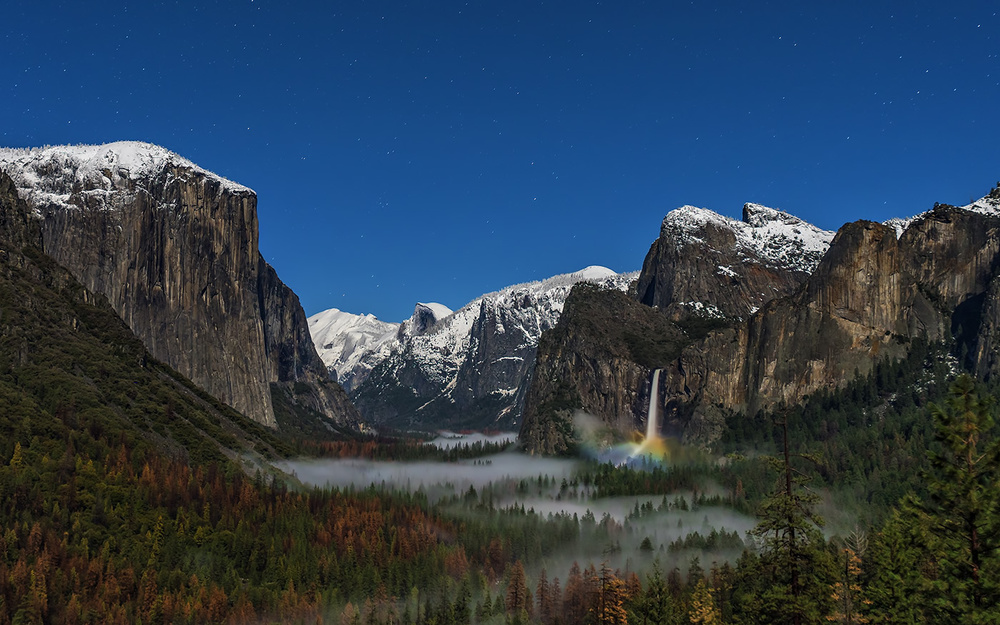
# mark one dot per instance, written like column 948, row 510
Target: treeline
column 397, row 449
column 871, row 436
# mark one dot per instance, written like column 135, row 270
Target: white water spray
column 652, row 425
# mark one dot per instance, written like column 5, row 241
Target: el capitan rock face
column 174, row 248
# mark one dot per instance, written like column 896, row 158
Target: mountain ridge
column 875, row 289
column 473, row 360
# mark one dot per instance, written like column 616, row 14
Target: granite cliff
column 876, row 288
column 704, row 272
column 174, row 249
column 705, row 264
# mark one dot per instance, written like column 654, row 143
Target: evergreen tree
column 958, row 519
column 517, row 590
column 850, row 605
column 654, row 606
column 893, row 570
column 543, row 595
column 792, row 557
column 610, row 608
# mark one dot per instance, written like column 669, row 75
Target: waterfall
column 652, row 426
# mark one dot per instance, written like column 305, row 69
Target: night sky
column 435, row 151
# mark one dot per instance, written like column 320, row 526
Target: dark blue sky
column 434, row 151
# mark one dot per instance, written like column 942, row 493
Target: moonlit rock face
column 988, row 205
column 439, row 311
column 768, row 234
column 174, row 248
column 342, row 339
column 450, row 361
column 50, row 174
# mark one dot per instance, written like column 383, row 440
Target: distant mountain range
column 442, row 368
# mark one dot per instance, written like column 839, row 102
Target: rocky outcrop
column 868, row 298
column 174, row 248
column 597, row 360
column 70, row 366
column 704, row 272
column 878, row 287
column 292, row 359
column 708, row 265
column 464, row 369
column 17, row 229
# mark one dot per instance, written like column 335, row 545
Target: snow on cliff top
column 986, row 205
column 48, row 169
column 440, row 311
column 354, row 344
column 767, row 233
column 342, row 338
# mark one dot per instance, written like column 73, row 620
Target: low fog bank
column 411, row 476
column 447, row 440
column 519, row 491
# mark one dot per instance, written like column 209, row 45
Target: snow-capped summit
column 342, row 339
column 442, row 367
column 593, row 273
column 50, row 174
column 768, row 234
column 425, row 316
column 987, row 205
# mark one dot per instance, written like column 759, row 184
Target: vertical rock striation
column 708, row 265
column 879, row 286
column 174, row 248
column 705, row 271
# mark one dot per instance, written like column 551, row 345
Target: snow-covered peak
column 691, row 220
column 342, row 339
column 987, row 205
column 767, row 234
column 593, row 273
column 438, row 341
column 758, row 215
column 439, row 311
column 52, row 173
column 425, row 316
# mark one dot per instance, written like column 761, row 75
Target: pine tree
column 610, row 608
column 792, row 558
column 894, row 572
column 850, row 604
column 654, row 605
column 18, row 458
column 544, row 597
column 959, row 517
